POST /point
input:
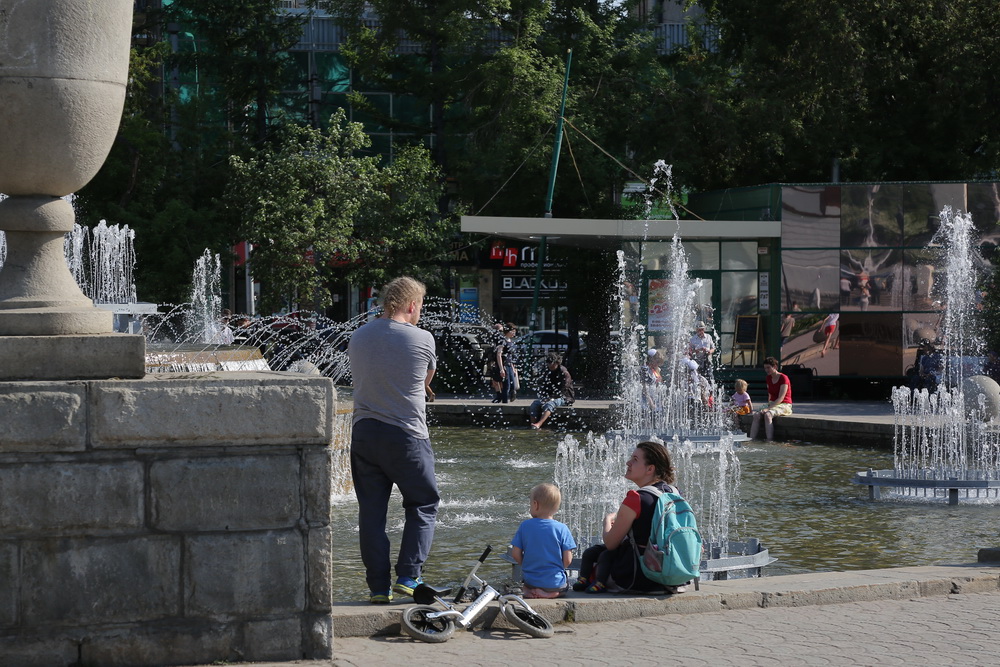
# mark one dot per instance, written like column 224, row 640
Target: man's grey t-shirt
column 389, row 363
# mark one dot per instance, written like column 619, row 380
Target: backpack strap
column 656, row 493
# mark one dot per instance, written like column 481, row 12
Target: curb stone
column 357, row 619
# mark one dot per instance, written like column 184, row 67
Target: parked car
column 462, row 351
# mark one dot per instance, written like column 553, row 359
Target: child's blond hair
column 740, row 386
column 547, row 496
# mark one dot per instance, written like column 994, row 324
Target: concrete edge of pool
column 852, row 423
column 361, row 619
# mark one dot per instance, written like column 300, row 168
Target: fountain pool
column 792, row 498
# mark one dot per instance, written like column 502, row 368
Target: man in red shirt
column 779, row 399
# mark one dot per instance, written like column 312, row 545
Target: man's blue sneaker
column 405, row 585
column 380, row 598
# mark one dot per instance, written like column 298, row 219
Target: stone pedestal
column 175, row 519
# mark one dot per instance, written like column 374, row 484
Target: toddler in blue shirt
column 543, row 546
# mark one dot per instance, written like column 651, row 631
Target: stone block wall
column 176, row 519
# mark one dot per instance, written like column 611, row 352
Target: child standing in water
column 543, row 546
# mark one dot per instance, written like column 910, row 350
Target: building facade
column 861, row 256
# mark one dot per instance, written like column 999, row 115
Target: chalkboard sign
column 746, row 332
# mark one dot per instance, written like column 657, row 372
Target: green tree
column 317, row 211
column 237, row 51
column 891, row 89
column 207, row 91
column 476, row 64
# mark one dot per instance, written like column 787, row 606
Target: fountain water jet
column 947, row 443
column 691, row 422
column 102, row 262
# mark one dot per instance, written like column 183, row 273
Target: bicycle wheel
column 528, row 620
column 415, row 623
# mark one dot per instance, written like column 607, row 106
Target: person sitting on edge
column 742, row 405
column 543, row 546
column 614, row 564
column 556, row 389
column 779, row 399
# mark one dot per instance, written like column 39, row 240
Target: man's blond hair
column 547, row 496
column 399, row 293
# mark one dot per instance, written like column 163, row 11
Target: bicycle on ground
column 431, row 624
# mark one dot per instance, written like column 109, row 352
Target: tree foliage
column 894, row 90
column 238, row 53
column 477, row 65
column 192, row 100
column 315, row 210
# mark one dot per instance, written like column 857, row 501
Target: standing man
column 701, row 347
column 787, row 324
column 392, row 363
column 505, row 360
column 779, row 399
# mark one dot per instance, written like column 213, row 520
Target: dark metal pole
column 548, row 197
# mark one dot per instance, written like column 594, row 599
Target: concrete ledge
column 820, row 429
column 360, row 619
column 211, row 409
column 861, row 424
column 90, row 357
column 581, row 416
column 43, row 416
column 205, row 539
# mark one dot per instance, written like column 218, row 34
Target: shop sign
column 462, row 254
column 764, row 292
column 516, row 257
column 522, row 285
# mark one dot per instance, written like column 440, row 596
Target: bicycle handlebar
column 472, row 574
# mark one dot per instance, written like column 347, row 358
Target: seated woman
column 626, row 532
column 779, row 399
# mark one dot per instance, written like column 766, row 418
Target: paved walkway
column 945, row 630
column 938, row 615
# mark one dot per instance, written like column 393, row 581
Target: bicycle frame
column 426, row 623
column 466, row 618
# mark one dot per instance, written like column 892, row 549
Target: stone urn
column 63, row 69
column 982, row 394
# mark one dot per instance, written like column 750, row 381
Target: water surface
column 796, row 498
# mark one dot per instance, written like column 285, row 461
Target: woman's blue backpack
column 673, row 555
